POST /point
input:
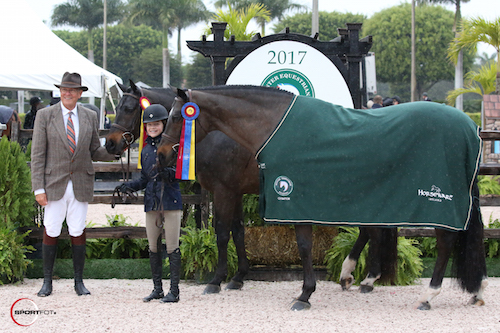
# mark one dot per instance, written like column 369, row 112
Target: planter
column 276, row 245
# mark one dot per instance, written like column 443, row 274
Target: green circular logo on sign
column 290, row 80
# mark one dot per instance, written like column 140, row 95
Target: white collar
column 65, row 110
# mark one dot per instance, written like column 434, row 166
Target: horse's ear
column 133, row 86
column 122, row 87
column 182, row 94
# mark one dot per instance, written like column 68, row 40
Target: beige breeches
column 172, row 228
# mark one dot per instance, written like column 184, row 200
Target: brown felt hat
column 71, row 80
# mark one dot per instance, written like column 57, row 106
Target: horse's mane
column 16, row 116
column 245, row 88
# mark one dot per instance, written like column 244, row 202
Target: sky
column 487, row 9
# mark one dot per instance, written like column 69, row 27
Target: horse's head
column 169, row 144
column 126, row 127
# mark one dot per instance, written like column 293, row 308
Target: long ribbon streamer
column 142, row 139
column 186, row 157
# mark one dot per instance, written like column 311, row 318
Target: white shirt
column 74, row 117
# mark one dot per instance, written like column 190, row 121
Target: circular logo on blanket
column 283, row 185
column 290, row 80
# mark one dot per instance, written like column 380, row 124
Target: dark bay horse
column 249, row 115
column 223, row 167
column 228, row 170
column 9, row 118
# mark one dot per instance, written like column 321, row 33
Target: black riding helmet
column 154, row 112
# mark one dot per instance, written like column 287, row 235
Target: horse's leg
column 374, row 256
column 224, row 212
column 304, row 242
column 349, row 264
column 238, row 232
column 445, row 242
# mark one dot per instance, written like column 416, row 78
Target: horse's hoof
column 211, row 289
column 234, row 285
column 346, row 283
column 365, row 288
column 476, row 301
column 300, row 305
column 424, row 306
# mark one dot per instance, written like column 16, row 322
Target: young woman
column 162, row 204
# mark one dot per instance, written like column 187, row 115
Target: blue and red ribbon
column 186, row 157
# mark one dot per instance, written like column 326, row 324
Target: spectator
column 29, row 119
column 425, row 97
column 377, row 102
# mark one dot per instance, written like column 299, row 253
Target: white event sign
column 295, row 67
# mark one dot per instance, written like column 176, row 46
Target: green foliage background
column 133, row 52
column 391, row 31
column 16, row 210
column 329, row 23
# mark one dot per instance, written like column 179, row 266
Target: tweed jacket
column 53, row 164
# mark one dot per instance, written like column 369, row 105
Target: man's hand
column 41, row 199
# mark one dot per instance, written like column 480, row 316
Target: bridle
column 171, row 139
column 127, row 136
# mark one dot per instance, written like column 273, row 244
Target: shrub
column 120, row 248
column 409, row 262
column 492, row 245
column 13, row 262
column 17, row 201
column 16, row 210
column 488, row 185
column 199, row 252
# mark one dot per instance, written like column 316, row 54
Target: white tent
column 34, row 58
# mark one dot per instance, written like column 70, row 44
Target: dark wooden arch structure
column 346, row 51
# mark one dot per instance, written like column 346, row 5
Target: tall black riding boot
column 156, row 263
column 175, row 276
column 49, row 256
column 78, row 263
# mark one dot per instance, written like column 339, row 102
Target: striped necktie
column 70, row 130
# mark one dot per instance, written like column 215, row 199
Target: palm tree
column 481, row 82
column 187, row 13
column 473, row 31
column 238, row 20
column 165, row 15
column 456, row 22
column 87, row 14
column 276, row 8
column 486, row 59
column 157, row 14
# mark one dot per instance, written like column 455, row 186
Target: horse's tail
column 469, row 263
column 389, row 255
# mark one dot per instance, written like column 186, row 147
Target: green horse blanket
column 413, row 164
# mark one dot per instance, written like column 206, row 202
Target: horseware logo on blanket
column 283, row 186
column 435, row 194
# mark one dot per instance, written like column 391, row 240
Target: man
column 425, row 97
column 65, row 141
column 377, row 102
column 29, row 119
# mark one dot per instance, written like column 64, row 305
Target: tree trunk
column 166, row 60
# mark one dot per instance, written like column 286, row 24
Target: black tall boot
column 175, row 276
column 49, row 256
column 78, row 263
column 156, row 263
